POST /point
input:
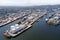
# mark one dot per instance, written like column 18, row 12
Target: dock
column 41, row 14
column 9, row 20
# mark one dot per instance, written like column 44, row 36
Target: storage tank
column 18, row 28
column 30, row 18
column 12, row 28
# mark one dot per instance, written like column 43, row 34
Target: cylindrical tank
column 19, row 28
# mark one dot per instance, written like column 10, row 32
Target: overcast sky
column 28, row 2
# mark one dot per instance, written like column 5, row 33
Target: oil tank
column 15, row 29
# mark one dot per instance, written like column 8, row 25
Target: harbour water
column 40, row 30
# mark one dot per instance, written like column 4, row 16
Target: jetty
column 30, row 19
column 12, row 18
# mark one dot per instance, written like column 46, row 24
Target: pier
column 13, row 18
column 28, row 22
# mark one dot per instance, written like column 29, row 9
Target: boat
column 53, row 20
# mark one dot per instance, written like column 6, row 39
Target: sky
column 28, row 2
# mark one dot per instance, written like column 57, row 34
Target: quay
column 27, row 23
column 9, row 20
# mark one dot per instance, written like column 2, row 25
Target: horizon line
column 31, row 5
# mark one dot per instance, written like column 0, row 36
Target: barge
column 27, row 23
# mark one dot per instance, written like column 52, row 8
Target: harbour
column 39, row 30
column 12, row 18
column 44, row 31
column 28, row 22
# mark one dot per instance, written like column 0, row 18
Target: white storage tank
column 18, row 28
column 12, row 28
column 30, row 18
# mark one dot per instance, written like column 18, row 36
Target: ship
column 54, row 19
column 18, row 28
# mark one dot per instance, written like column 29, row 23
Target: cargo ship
column 24, row 25
column 54, row 19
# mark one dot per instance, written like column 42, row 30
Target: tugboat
column 53, row 20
